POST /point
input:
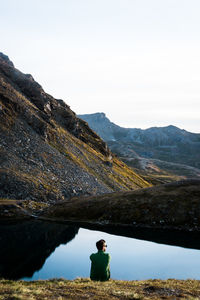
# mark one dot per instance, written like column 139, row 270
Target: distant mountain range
column 163, row 153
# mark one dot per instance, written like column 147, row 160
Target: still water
column 131, row 259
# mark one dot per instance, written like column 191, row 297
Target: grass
column 13, row 210
column 84, row 288
column 167, row 206
column 5, row 201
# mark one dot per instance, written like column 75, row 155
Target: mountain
column 47, row 153
column 164, row 153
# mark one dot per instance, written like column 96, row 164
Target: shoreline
column 173, row 236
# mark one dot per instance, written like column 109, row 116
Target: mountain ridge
column 47, row 153
column 159, row 147
column 169, row 129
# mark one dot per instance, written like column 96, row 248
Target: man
column 100, row 267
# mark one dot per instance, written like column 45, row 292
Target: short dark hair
column 100, row 244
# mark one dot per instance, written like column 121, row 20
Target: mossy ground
column 174, row 205
column 84, row 288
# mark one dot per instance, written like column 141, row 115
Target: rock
column 160, row 154
column 46, row 151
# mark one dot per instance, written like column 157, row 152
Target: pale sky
column 136, row 60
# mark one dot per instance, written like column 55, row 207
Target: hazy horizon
column 135, row 60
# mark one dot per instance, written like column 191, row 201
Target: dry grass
column 4, row 201
column 84, row 288
column 166, row 206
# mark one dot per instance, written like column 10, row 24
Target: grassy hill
column 174, row 205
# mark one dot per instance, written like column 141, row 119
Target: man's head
column 101, row 245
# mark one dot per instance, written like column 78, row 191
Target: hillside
column 160, row 154
column 168, row 206
column 47, row 153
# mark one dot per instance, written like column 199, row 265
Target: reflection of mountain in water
column 25, row 247
column 185, row 239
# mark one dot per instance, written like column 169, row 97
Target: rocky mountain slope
column 47, row 153
column 160, row 153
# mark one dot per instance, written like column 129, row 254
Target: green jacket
column 100, row 267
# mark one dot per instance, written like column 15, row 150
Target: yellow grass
column 84, row 288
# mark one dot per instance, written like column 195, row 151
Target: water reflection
column 186, row 239
column 131, row 259
column 27, row 251
column 25, row 247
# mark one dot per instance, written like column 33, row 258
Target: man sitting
column 100, row 267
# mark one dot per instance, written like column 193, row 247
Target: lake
column 131, row 259
column 52, row 250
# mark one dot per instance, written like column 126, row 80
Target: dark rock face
column 26, row 246
column 167, row 149
column 46, row 152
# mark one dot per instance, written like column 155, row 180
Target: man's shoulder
column 93, row 255
column 106, row 256
column 99, row 254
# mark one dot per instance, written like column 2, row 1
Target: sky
column 138, row 61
